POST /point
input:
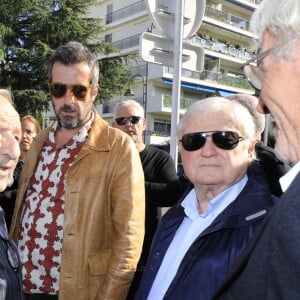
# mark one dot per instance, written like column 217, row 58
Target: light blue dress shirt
column 192, row 225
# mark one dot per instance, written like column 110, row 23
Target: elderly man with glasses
column 270, row 266
column 10, row 137
column 158, row 169
column 199, row 239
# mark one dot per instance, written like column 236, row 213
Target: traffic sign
column 163, row 13
column 160, row 50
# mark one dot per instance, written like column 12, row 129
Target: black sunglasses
column 226, row 140
column 11, row 249
column 58, row 90
column 123, row 120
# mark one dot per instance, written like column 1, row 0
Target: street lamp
column 129, row 92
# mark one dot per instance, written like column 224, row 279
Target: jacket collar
column 252, row 203
column 98, row 138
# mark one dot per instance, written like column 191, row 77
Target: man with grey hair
column 270, row 266
column 158, row 168
column 10, row 137
column 199, row 238
column 7, row 95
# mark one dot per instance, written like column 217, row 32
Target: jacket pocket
column 98, row 262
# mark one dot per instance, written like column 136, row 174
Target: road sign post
column 177, row 20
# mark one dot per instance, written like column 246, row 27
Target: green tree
column 30, row 30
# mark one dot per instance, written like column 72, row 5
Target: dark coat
column 210, row 257
column 270, row 266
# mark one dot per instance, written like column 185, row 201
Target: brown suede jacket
column 103, row 215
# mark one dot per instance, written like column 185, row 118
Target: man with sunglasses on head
column 10, row 137
column 270, row 266
column 79, row 215
column 199, row 239
column 158, row 169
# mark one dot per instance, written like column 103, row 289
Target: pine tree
column 30, row 30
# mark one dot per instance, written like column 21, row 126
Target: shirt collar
column 80, row 136
column 287, row 179
column 216, row 205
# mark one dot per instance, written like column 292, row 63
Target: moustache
column 68, row 108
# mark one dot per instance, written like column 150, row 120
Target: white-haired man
column 270, row 266
column 158, row 169
column 10, row 137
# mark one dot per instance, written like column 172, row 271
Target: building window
column 162, row 127
column 109, row 11
column 108, row 38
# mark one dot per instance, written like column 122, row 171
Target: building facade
column 224, row 35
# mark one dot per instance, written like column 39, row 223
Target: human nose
column 128, row 123
column 209, row 148
column 9, row 145
column 69, row 96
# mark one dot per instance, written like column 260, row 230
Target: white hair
column 6, row 94
column 241, row 117
column 282, row 19
column 127, row 103
column 250, row 102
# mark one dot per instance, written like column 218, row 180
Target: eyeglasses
column 226, row 140
column 11, row 249
column 123, row 120
column 58, row 90
column 255, row 74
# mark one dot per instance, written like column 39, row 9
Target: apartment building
column 225, row 37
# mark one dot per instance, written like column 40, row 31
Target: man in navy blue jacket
column 199, row 239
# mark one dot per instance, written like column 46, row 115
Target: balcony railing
column 254, row 1
column 132, row 41
column 237, row 81
column 226, row 17
column 206, row 43
column 234, row 80
column 184, row 102
column 211, row 12
column 125, row 12
column 224, row 48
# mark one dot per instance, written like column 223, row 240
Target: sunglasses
column 11, row 249
column 58, row 90
column 226, row 140
column 123, row 120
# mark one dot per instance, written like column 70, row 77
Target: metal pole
column 145, row 98
column 176, row 88
column 145, row 93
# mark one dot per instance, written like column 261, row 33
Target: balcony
column 225, row 48
column 125, row 12
column 226, row 17
column 230, row 80
column 233, row 80
column 250, row 1
column 184, row 102
column 129, row 42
